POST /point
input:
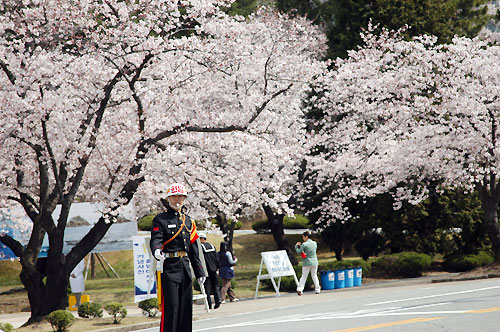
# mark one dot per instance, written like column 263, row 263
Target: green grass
column 111, row 290
column 102, row 289
column 9, row 273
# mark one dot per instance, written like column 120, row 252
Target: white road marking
column 435, row 295
column 375, row 312
column 395, row 311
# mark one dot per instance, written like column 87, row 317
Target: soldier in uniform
column 212, row 263
column 173, row 243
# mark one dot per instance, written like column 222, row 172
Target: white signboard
column 144, row 277
column 278, row 265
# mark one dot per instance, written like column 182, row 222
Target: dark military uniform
column 176, row 279
column 212, row 263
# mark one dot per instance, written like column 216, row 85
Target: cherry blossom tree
column 107, row 101
column 238, row 173
column 400, row 114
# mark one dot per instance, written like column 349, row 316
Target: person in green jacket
column 307, row 249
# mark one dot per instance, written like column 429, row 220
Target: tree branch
column 7, row 72
column 14, row 245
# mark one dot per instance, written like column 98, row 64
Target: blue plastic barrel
column 327, row 279
column 339, row 278
column 349, row 277
column 358, row 273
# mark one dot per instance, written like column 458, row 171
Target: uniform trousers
column 211, row 288
column 177, row 304
column 314, row 275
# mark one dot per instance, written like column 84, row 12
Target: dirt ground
column 13, row 299
column 89, row 324
column 491, row 270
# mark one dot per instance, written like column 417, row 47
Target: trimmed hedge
column 340, row 265
column 146, row 222
column 461, row 262
column 261, row 227
column 299, row 222
column 238, row 225
column 405, row 264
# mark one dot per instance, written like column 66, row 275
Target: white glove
column 201, row 280
column 159, row 255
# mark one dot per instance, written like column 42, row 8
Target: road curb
column 488, row 276
column 132, row 327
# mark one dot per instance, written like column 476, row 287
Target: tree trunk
column 51, row 295
column 226, row 228
column 276, row 225
column 230, row 235
column 490, row 205
column 338, row 251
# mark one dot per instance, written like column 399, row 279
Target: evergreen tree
column 242, row 7
column 345, row 19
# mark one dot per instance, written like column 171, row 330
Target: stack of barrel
column 341, row 278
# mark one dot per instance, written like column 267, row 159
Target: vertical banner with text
column 144, row 279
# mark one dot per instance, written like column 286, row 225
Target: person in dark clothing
column 212, row 264
column 173, row 244
column 226, row 272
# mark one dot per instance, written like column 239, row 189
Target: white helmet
column 176, row 189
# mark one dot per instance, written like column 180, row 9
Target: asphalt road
column 452, row 306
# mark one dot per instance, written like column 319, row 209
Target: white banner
column 144, row 276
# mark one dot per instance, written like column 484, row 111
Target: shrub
column 406, row 264
column 237, row 226
column 300, row 221
column 7, row 327
column 149, row 307
column 87, row 310
column 116, row 310
column 410, row 264
column 461, row 262
column 146, row 222
column 287, row 284
column 60, row 320
column 261, row 227
column 340, row 265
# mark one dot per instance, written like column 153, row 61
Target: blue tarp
column 5, row 252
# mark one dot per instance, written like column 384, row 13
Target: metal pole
column 100, row 261
column 116, row 274
column 87, row 268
